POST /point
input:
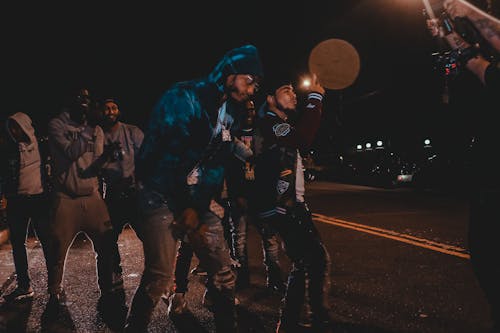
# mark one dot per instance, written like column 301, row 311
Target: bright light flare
column 306, row 83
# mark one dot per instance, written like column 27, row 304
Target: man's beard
column 110, row 122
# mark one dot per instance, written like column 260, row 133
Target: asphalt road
column 399, row 264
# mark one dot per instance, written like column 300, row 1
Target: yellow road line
column 421, row 242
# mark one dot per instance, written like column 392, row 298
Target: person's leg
column 176, row 301
column 39, row 208
column 293, row 299
column 64, row 225
column 271, row 245
column 118, row 212
column 18, row 220
column 97, row 225
column 215, row 257
column 159, row 245
column 182, row 265
column 316, row 262
column 318, row 275
column 239, row 241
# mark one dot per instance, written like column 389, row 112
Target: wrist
column 464, row 55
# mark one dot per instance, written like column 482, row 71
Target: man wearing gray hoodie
column 77, row 149
column 22, row 184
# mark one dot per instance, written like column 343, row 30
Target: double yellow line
column 416, row 241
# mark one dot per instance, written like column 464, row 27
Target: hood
column 24, row 122
column 240, row 60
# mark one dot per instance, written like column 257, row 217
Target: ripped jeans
column 154, row 228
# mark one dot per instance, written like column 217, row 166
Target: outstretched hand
column 316, row 85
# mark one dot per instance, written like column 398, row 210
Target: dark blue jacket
column 180, row 129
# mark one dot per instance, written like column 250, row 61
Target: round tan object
column 335, row 62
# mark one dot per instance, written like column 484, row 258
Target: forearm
column 487, row 25
column 478, row 66
column 309, row 122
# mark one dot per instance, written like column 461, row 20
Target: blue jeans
column 215, row 258
column 154, row 230
column 270, row 245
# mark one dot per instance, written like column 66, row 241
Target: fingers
column 316, row 85
column 433, row 26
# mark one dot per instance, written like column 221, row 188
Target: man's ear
column 271, row 100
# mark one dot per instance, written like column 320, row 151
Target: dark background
column 134, row 52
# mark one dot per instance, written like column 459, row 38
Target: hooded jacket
column 74, row 149
column 21, row 166
column 179, row 135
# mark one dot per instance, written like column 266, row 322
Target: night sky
column 134, row 52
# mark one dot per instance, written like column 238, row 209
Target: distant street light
column 427, row 143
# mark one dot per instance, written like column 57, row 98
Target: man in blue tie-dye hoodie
column 180, row 172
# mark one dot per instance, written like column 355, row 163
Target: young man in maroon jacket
column 280, row 202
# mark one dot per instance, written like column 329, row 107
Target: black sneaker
column 58, row 298
column 113, row 310
column 19, row 294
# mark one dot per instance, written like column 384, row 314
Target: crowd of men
column 189, row 184
column 207, row 164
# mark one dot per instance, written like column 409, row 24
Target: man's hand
column 434, row 27
column 457, row 8
column 187, row 221
column 198, row 237
column 315, row 85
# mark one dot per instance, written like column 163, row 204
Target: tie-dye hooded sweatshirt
column 179, row 138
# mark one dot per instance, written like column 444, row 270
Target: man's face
column 81, row 106
column 83, row 98
column 110, row 113
column 286, row 98
column 241, row 87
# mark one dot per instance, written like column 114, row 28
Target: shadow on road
column 249, row 322
column 14, row 316
column 187, row 323
column 355, row 328
column 56, row 318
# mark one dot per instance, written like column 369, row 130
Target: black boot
column 113, row 309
